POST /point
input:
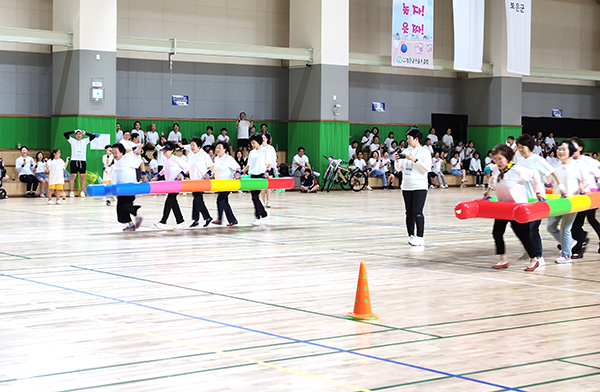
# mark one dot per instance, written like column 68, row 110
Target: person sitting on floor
column 309, row 184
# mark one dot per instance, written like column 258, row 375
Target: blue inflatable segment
column 97, row 190
column 142, row 188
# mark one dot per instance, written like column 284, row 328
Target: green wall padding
column 485, row 138
column 33, row 132
column 329, row 138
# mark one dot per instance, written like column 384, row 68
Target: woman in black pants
column 414, row 163
column 226, row 168
column 509, row 181
column 257, row 168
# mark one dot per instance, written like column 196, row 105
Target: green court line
column 580, row 364
column 502, row 316
column 100, row 304
column 553, row 381
column 10, row 254
column 201, row 354
column 249, row 300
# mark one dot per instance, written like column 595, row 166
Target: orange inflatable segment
column 195, row 186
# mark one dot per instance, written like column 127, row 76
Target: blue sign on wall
column 556, row 112
column 378, row 106
column 180, row 100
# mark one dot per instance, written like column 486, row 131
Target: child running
column 124, row 172
column 56, row 178
column 107, row 161
column 174, row 168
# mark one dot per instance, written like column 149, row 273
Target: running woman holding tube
column 257, row 168
column 226, row 168
column 414, row 163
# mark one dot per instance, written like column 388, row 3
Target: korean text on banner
column 468, row 34
column 412, row 35
column 518, row 26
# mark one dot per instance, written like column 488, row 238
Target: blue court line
column 268, row 334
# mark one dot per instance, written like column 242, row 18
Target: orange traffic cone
column 362, row 304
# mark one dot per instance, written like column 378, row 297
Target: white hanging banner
column 468, row 34
column 412, row 34
column 518, row 27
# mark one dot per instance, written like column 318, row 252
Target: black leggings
column 577, row 229
column 414, row 201
column 125, row 208
column 198, row 207
column 31, row 180
column 223, row 206
column 259, row 209
column 172, row 204
column 523, row 232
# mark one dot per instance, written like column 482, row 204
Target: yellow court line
column 223, row 353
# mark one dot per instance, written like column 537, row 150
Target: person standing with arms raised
column 243, row 127
column 78, row 160
column 414, row 163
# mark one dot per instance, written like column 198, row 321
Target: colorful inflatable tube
column 527, row 212
column 161, row 187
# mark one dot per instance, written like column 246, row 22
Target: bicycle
column 348, row 177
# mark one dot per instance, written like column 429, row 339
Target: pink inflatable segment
column 160, row 187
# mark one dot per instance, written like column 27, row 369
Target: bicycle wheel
column 344, row 181
column 334, row 179
column 327, row 179
column 358, row 181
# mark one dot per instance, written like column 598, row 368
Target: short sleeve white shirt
column 199, row 164
column 78, row 148
column 124, row 170
column 434, row 138
column 256, row 162
column 297, row 162
column 448, row 140
column 207, row 140
column 55, row 175
column 225, row 167
column 152, row 137
column 24, row 170
column 174, row 137
column 243, row 127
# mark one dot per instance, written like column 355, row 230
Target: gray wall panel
column 408, row 99
column 575, row 101
column 215, row 90
column 25, row 83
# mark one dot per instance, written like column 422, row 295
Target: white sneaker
column 369, row 188
column 42, row 195
column 431, row 187
column 268, row 204
column 180, row 226
column 563, row 260
column 411, row 238
column 256, row 222
column 51, row 202
column 162, row 226
column 240, row 191
column 58, row 202
column 82, row 195
column 265, row 219
column 542, row 261
column 417, row 241
column 72, row 194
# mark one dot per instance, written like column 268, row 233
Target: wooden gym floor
column 84, row 306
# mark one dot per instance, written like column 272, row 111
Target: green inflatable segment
column 559, row 206
column 254, row 184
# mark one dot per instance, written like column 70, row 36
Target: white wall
column 32, row 14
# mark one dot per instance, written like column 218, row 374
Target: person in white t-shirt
column 509, row 179
column 24, row 166
column 78, row 161
column 225, row 139
column 537, row 149
column 107, row 162
column 387, row 169
column 510, row 142
column 137, row 128
column 428, row 146
column 388, row 142
column 366, row 140
column 175, row 135
column 243, row 136
column 124, row 172
column 119, row 133
column 415, row 165
column 200, row 168
column 352, row 150
column 375, row 146
column 174, row 169
column 573, row 181
column 433, row 137
column 208, row 139
column 56, row 178
column 550, row 143
column 359, row 162
column 299, row 163
column 153, row 165
column 457, row 169
column 271, row 160
column 152, row 138
column 376, row 168
column 436, row 170
column 476, row 169
column 257, row 168
column 40, row 172
column 226, row 168
column 447, row 141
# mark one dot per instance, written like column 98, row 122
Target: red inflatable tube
column 521, row 212
column 529, row 212
column 280, row 183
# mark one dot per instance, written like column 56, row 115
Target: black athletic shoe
column 28, row 195
column 577, row 256
column 206, row 222
column 195, row 224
